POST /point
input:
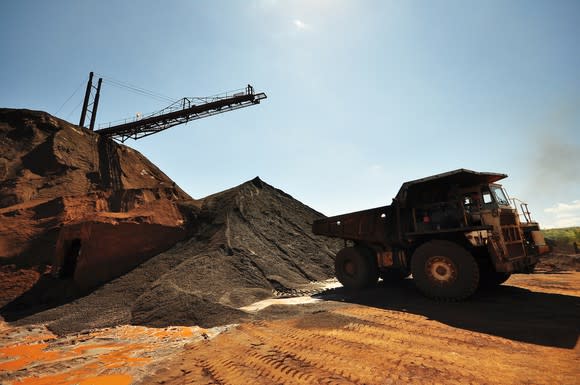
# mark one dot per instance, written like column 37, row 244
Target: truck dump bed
column 372, row 225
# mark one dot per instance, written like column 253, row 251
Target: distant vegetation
column 564, row 238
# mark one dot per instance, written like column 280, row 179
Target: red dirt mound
column 59, row 180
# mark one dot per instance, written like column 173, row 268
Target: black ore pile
column 250, row 240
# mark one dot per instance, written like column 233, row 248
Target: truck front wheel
column 444, row 270
column 356, row 268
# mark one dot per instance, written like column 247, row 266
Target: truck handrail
column 525, row 212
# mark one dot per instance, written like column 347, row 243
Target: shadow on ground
column 506, row 311
column 47, row 293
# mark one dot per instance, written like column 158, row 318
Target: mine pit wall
column 93, row 253
column 27, row 244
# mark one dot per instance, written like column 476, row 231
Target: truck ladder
column 181, row 112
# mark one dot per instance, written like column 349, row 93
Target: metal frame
column 182, row 112
column 94, row 104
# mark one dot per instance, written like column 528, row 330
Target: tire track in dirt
column 363, row 340
column 415, row 326
column 281, row 367
column 364, row 345
column 327, row 358
column 442, row 346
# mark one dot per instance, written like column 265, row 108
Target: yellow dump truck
column 454, row 232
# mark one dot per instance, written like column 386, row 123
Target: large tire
column 356, row 268
column 444, row 270
column 488, row 277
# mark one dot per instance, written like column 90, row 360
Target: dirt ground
column 524, row 332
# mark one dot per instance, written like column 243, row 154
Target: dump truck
column 453, row 232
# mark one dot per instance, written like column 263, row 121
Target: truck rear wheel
column 356, row 268
column 444, row 270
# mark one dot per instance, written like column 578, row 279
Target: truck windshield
column 499, row 195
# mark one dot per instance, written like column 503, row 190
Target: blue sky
column 362, row 95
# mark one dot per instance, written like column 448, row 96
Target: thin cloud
column 300, row 25
column 265, row 3
column 564, row 208
column 376, row 169
column 565, row 214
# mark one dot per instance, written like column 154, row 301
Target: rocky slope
column 250, row 241
column 237, row 246
column 53, row 173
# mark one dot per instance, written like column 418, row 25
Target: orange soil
column 67, row 379
column 357, row 344
column 336, row 344
column 107, row 356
